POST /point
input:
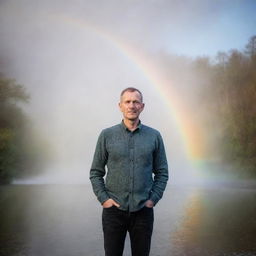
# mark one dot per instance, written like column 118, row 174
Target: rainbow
column 191, row 132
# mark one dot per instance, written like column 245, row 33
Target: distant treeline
column 228, row 93
column 20, row 149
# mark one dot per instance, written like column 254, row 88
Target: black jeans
column 116, row 223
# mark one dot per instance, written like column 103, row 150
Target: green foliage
column 11, row 91
column 12, row 127
column 7, row 155
column 22, row 151
column 229, row 93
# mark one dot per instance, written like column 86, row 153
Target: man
column 137, row 174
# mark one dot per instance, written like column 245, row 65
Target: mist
column 75, row 58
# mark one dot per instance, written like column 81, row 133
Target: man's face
column 131, row 105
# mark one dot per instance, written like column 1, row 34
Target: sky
column 74, row 58
column 191, row 27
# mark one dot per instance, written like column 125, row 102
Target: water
column 65, row 220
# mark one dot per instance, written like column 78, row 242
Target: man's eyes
column 135, row 102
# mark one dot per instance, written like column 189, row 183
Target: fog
column 75, row 57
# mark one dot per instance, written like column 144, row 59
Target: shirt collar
column 125, row 128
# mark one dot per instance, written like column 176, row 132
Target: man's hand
column 149, row 204
column 109, row 203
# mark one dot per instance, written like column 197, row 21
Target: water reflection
column 217, row 222
column 64, row 220
column 186, row 235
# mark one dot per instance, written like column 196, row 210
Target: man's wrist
column 103, row 200
column 149, row 203
column 154, row 198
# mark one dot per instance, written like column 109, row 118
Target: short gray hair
column 131, row 89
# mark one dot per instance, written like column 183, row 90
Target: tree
column 230, row 96
column 251, row 47
column 12, row 123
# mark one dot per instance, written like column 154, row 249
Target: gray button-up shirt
column 136, row 163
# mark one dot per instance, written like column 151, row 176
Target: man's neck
column 131, row 124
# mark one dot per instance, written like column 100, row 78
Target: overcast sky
column 190, row 27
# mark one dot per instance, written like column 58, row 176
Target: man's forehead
column 131, row 95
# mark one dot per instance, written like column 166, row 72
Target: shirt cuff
column 103, row 197
column 154, row 198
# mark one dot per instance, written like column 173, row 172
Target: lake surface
column 65, row 220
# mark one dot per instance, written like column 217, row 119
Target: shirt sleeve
column 98, row 171
column 160, row 170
